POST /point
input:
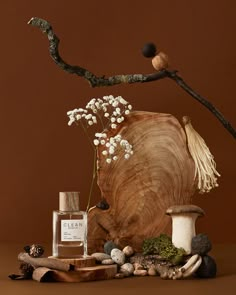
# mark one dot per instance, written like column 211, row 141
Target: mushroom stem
column 183, row 224
column 183, row 230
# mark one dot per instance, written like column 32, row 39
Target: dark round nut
column 200, row 244
column 149, row 50
column 208, row 268
column 108, row 246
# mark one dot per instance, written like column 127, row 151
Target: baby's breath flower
column 104, row 152
column 102, row 142
column 108, row 160
column 127, row 156
column 106, row 115
column 127, row 112
column 113, row 126
column 115, row 158
column 113, row 119
column 96, row 142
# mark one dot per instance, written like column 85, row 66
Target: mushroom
column 183, row 224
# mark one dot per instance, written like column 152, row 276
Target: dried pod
column 34, row 250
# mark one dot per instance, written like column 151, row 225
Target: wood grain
column 139, row 190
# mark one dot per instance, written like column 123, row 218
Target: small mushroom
column 183, row 224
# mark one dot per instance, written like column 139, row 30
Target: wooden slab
column 94, row 273
column 161, row 173
column 78, row 262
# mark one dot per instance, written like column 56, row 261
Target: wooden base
column 78, row 262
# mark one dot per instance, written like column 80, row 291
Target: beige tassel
column 205, row 166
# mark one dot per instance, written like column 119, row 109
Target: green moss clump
column 163, row 246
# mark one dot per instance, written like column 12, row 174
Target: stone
column 140, row 272
column 127, row 269
column 108, row 261
column 119, row 275
column 208, row 268
column 137, row 266
column 108, row 246
column 118, row 256
column 200, row 244
column 152, row 271
column 128, row 250
column 100, row 256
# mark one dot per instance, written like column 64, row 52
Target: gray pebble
column 118, row 256
column 108, row 246
column 100, row 256
column 108, row 261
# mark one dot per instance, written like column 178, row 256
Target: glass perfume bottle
column 69, row 228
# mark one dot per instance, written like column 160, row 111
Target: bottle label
column 72, row 230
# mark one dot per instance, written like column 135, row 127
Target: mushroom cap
column 178, row 209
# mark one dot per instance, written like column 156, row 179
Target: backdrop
column 41, row 155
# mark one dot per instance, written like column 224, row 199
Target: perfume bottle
column 69, row 228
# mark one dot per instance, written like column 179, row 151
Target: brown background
column 41, row 155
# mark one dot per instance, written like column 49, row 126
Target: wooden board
column 78, row 262
column 160, row 174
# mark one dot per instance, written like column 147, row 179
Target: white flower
column 78, row 117
column 122, row 100
column 130, row 107
column 108, row 144
column 113, row 126
column 127, row 156
column 111, row 150
column 102, row 142
column 108, row 160
column 106, row 115
column 115, row 158
column 90, row 123
column 127, row 112
column 88, row 117
column 104, row 152
column 118, row 120
column 118, row 111
column 96, row 142
column 113, row 120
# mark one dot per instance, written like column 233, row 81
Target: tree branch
column 95, row 81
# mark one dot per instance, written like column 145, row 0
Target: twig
column 95, row 81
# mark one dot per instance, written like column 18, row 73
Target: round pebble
column 127, row 268
column 128, row 250
column 207, row 268
column 152, row 271
column 108, row 246
column 118, row 256
column 108, row 261
column 140, row 272
column 200, row 244
column 100, row 256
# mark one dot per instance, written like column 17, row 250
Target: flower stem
column 93, row 178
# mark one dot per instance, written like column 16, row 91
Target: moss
column 163, row 246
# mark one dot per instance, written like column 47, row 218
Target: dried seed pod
column 34, row 250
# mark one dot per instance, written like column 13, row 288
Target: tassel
column 205, row 166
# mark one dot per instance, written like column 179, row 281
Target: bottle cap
column 69, row 201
